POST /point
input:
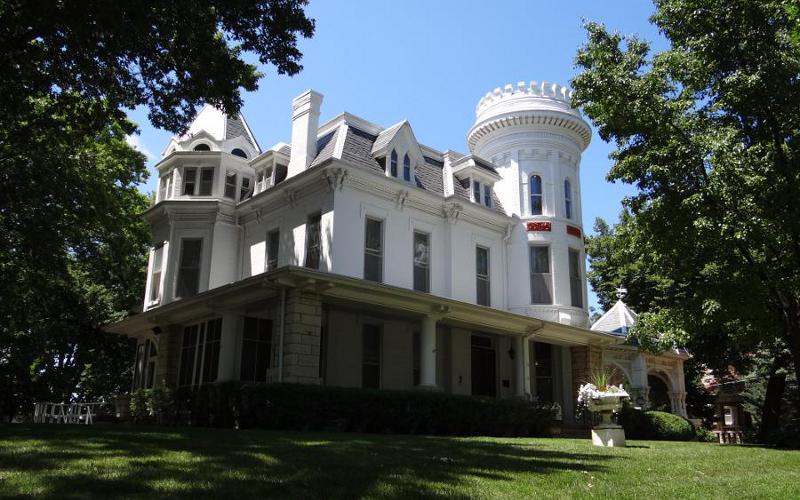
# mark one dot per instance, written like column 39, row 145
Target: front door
column 484, row 369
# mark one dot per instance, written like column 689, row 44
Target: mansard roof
column 618, row 320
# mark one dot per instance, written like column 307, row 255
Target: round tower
column 535, row 137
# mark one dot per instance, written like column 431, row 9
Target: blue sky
column 429, row 62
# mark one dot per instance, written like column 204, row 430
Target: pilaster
column 302, row 336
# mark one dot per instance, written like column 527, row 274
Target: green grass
column 117, row 461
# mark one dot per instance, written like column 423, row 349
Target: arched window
column 238, row 152
column 202, row 147
column 406, row 168
column 568, row 198
column 393, row 164
column 536, row 195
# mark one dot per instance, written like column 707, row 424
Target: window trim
column 414, row 266
column 180, row 266
column 532, row 194
column 406, row 168
column 578, row 280
column 309, row 219
column 549, row 272
column 486, row 277
column 380, row 253
column 568, row 205
column 393, row 164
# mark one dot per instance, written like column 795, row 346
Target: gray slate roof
column 617, row 320
column 234, row 127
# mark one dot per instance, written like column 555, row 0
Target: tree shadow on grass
column 73, row 462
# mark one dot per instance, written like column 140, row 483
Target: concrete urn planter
column 605, row 403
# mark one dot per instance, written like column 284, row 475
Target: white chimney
column 305, row 121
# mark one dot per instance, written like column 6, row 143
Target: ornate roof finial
column 621, row 293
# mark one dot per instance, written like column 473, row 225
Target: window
column 256, row 349
column 244, row 190
column 373, row 250
column 575, row 282
column 138, row 367
column 152, row 357
column 487, row 195
column 416, row 354
column 421, row 262
column 155, row 276
column 230, row 185
column 259, row 181
column 238, row 152
column 393, row 164
column 567, row 199
column 482, row 275
column 543, row 360
column 541, row 283
column 200, row 353
column 406, row 168
column 313, row 240
column 371, row 357
column 206, row 181
column 163, row 189
column 202, row 147
column 535, row 186
column 273, row 246
column 189, row 269
column 189, row 180
column 476, row 191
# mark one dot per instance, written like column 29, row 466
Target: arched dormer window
column 238, row 152
column 393, row 164
column 535, row 186
column 568, row 198
column 202, row 147
column 406, row 168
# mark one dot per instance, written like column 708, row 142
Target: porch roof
column 335, row 288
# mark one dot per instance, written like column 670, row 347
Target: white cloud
column 136, row 143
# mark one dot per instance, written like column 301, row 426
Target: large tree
column 72, row 249
column 709, row 132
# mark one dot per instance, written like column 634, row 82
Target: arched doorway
column 659, row 394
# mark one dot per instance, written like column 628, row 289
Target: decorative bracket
column 291, row 196
column 452, row 211
column 400, row 199
column 335, row 177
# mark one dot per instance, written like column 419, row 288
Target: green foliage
column 709, row 133
column 657, row 425
column 602, row 377
column 301, row 407
column 155, row 405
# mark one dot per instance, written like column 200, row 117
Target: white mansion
column 357, row 256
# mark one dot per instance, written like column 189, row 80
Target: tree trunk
column 771, row 409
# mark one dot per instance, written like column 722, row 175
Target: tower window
column 541, row 284
column 406, row 168
column 238, row 152
column 575, row 281
column 568, row 198
column 202, row 147
column 189, row 180
column 230, row 185
column 535, row 187
column 393, row 164
column 206, row 181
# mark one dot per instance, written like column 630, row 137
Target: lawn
column 113, row 461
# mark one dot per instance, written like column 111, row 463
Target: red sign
column 538, row 226
column 574, row 231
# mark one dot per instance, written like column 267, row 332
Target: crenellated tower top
column 542, row 105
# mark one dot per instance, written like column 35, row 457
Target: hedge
column 657, row 425
column 311, row 407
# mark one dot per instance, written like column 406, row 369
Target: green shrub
column 705, row 436
column 156, row 404
column 656, row 425
column 309, row 407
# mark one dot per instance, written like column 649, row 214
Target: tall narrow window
column 188, row 355
column 211, row 350
column 487, row 195
column 313, row 240
column 189, row 180
column 371, row 357
column 416, row 355
column 476, row 191
column 535, row 187
column 162, row 188
column 273, row 247
column 393, row 164
column 567, row 198
column 543, row 356
column 406, row 168
column 421, row 262
column 244, row 190
column 206, row 181
column 575, row 282
column 541, row 282
column 482, row 275
column 152, row 357
column 189, row 269
column 155, row 276
column 373, row 250
column 138, row 367
column 230, row 185
column 256, row 349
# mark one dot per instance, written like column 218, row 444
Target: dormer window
column 202, row 147
column 393, row 164
column 568, row 198
column 485, row 190
column 244, row 190
column 230, row 185
column 487, row 195
column 406, row 168
column 535, row 186
column 238, row 152
column 476, row 191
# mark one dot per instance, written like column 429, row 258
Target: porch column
column 302, row 337
column 427, row 358
column 520, row 366
column 227, row 347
